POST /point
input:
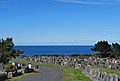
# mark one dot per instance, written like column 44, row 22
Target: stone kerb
column 96, row 75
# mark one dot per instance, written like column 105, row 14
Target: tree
column 7, row 51
column 103, row 47
column 115, row 50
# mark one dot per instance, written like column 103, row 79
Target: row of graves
column 66, row 61
column 76, row 61
column 20, row 68
column 83, row 63
column 96, row 75
column 108, row 63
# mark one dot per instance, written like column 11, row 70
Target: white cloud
column 99, row 2
column 6, row 3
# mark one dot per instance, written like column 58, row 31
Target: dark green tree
column 7, row 51
column 115, row 50
column 103, row 48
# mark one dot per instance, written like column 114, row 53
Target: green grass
column 69, row 74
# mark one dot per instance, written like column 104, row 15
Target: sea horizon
column 56, row 49
column 54, row 45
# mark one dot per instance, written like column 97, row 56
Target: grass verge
column 69, row 74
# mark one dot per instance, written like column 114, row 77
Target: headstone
column 29, row 66
column 13, row 63
column 111, row 77
column 98, row 73
column 36, row 67
column 110, row 66
column 91, row 71
column 116, row 78
column 18, row 65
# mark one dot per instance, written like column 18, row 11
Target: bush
column 9, row 68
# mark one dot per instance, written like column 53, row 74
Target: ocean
column 55, row 50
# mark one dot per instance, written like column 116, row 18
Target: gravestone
column 29, row 65
column 36, row 67
column 111, row 77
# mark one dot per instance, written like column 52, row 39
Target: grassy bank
column 70, row 74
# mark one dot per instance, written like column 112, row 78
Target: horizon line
column 57, row 45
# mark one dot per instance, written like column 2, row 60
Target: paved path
column 46, row 74
column 1, row 67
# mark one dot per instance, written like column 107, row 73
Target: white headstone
column 29, row 66
column 13, row 63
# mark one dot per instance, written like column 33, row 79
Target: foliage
column 9, row 68
column 7, row 51
column 102, row 47
column 115, row 52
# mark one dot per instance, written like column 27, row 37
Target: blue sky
column 44, row 22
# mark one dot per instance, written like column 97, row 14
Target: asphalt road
column 45, row 74
column 1, row 68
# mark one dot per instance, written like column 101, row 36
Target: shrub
column 9, row 68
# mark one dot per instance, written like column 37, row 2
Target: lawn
column 70, row 74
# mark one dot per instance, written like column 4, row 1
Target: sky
column 60, row 22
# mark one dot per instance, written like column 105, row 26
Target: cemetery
column 85, row 64
column 89, row 67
